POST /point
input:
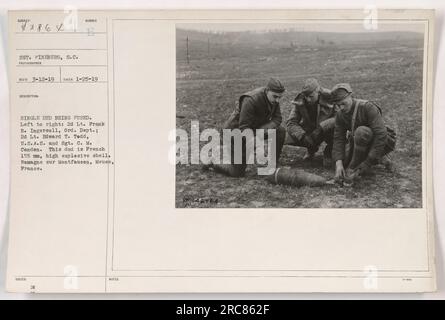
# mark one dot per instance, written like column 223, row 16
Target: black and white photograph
column 344, row 101
column 224, row 151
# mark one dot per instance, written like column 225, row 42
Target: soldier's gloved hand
column 352, row 175
column 356, row 173
column 316, row 136
column 309, row 142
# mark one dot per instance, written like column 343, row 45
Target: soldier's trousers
column 326, row 134
column 358, row 147
column 238, row 170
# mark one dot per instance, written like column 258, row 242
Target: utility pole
column 208, row 48
column 187, row 46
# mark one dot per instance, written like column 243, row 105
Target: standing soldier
column 257, row 109
column 311, row 121
column 361, row 138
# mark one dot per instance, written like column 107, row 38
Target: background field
column 385, row 67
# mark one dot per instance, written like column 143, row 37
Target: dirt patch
column 396, row 86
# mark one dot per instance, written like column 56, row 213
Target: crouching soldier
column 361, row 138
column 311, row 121
column 257, row 109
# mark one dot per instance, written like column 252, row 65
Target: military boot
column 387, row 162
column 231, row 170
column 206, row 167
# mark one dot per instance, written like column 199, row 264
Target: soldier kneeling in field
column 361, row 138
column 312, row 121
column 256, row 109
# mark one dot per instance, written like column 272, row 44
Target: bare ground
column 389, row 73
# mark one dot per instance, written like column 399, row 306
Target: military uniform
column 361, row 137
column 370, row 131
column 309, row 125
column 254, row 111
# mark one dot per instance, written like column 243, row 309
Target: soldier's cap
column 310, row 85
column 275, row 85
column 340, row 91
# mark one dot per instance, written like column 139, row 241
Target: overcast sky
column 318, row 26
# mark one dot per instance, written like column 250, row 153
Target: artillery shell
column 296, row 177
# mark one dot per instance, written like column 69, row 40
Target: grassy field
column 385, row 69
